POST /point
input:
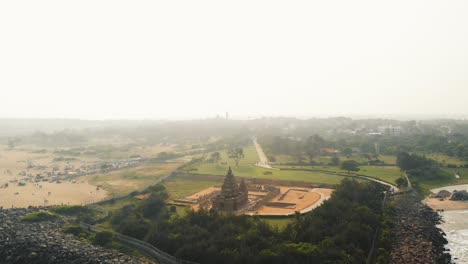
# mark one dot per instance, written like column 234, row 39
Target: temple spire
column 229, row 188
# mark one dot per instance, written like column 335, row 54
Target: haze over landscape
column 254, row 132
column 160, row 60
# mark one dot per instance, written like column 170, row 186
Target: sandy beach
column 446, row 204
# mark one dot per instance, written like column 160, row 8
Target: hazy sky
column 179, row 59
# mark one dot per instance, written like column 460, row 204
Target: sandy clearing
column 61, row 193
column 210, row 190
column 448, row 205
column 310, row 200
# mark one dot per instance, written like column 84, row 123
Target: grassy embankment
column 288, row 159
column 133, row 179
column 425, row 185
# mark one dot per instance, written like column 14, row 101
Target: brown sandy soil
column 62, row 193
column 324, row 192
column 67, row 193
column 204, row 192
column 311, row 197
column 304, row 198
column 436, row 204
column 15, row 161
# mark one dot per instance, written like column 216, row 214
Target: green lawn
column 426, row 186
column 112, row 206
column 441, row 158
column 288, row 159
column 183, row 187
column 385, row 173
column 250, row 156
column 252, row 171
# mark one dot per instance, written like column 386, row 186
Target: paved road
column 264, row 163
column 392, row 187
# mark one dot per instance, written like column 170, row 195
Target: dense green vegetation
column 422, row 171
column 39, row 216
column 340, row 231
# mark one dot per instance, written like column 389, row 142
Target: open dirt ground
column 60, row 193
column 299, row 199
column 13, row 162
column 446, row 204
column 303, row 198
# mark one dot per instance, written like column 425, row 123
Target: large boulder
column 460, row 196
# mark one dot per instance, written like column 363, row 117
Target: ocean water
column 456, row 227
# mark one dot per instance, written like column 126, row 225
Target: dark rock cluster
column 417, row 238
column 45, row 243
column 459, row 196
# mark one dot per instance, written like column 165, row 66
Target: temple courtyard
column 263, row 199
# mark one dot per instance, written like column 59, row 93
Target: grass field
column 250, row 156
column 441, row 158
column 252, row 171
column 385, row 173
column 134, row 179
column 426, row 186
column 288, row 159
column 183, row 187
column 111, row 206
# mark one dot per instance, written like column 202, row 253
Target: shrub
column 72, row 229
column 103, row 238
column 39, row 216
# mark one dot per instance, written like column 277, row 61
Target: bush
column 401, row 182
column 69, row 209
column 39, row 216
column 72, row 229
column 103, row 238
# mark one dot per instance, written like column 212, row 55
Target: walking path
column 263, row 163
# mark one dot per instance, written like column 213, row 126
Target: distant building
column 233, row 197
column 329, row 151
column 390, row 130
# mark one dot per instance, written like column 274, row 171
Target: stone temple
column 233, row 197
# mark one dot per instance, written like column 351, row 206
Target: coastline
column 453, row 223
column 445, row 205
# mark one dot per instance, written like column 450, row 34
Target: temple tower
column 233, row 197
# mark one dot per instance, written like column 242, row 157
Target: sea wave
column 455, row 226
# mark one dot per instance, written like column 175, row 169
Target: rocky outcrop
column 459, row 196
column 417, row 239
column 44, row 243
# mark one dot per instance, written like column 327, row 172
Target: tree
column 236, row 154
column 216, row 157
column 401, row 182
column 350, row 165
column 347, row 152
column 103, row 238
column 335, row 161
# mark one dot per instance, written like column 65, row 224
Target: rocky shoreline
column 417, row 238
column 45, row 243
